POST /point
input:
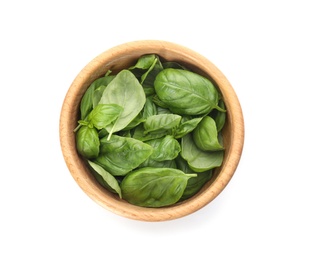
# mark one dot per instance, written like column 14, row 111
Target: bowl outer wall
column 123, row 56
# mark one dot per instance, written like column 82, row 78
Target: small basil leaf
column 220, row 116
column 144, row 62
column 156, row 164
column 87, row 142
column 187, row 127
column 198, row 160
column 100, row 86
column 166, row 148
column 139, row 134
column 120, row 155
column 150, row 108
column 154, row 187
column 195, row 184
column 205, row 135
column 106, row 179
column 163, row 122
column 104, row 114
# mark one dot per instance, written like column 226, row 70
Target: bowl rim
column 104, row 198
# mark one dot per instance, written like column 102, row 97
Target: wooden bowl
column 121, row 57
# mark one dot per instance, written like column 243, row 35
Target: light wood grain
column 121, row 57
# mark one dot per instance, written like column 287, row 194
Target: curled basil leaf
column 205, row 135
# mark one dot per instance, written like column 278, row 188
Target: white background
column 263, row 49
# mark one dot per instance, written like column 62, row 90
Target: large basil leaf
column 161, row 123
column 198, row 160
column 154, row 187
column 186, row 92
column 87, row 142
column 105, row 178
column 205, row 135
column 119, row 155
column 125, row 91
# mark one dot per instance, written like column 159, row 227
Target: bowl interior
column 121, row 57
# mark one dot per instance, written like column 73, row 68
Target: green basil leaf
column 87, row 142
column 144, row 62
column 150, row 108
column 148, row 78
column 120, row 155
column 156, row 164
column 90, row 99
column 198, row 160
column 195, row 184
column 105, row 178
column 220, row 116
column 139, row 134
column 100, row 86
column 104, row 114
column 125, row 91
column 186, row 92
column 173, row 64
column 205, row 135
column 187, row 127
column 86, row 103
column 166, row 148
column 154, row 187
column 163, row 122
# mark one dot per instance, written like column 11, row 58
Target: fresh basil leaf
column 163, row 122
column 196, row 184
column 120, row 155
column 105, row 178
column 150, row 108
column 187, row 127
column 198, row 160
column 185, row 92
column 154, row 187
column 104, row 114
column 205, row 135
column 144, row 62
column 139, row 134
column 166, row 148
column 219, row 116
column 87, row 142
column 125, row 91
column 100, row 86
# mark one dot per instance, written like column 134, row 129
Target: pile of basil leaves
column 152, row 132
